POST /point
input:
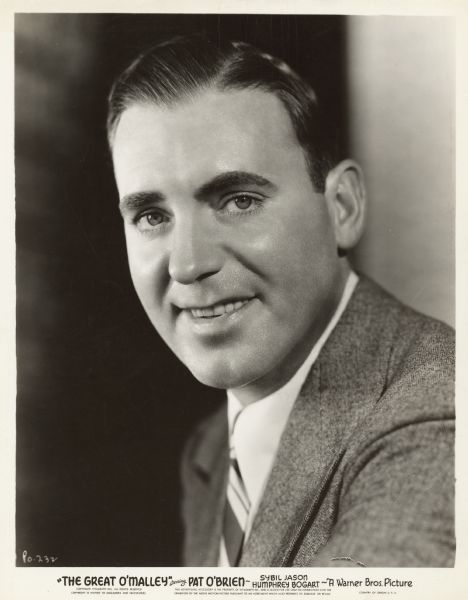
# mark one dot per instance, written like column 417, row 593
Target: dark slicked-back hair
column 180, row 68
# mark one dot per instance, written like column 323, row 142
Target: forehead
column 207, row 134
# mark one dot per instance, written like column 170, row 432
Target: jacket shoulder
column 419, row 348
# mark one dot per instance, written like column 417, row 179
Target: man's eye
column 242, row 203
column 149, row 221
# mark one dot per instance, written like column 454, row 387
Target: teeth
column 217, row 310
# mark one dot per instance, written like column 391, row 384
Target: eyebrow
column 232, row 179
column 218, row 184
column 132, row 202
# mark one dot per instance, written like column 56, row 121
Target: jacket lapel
column 336, row 394
column 205, row 506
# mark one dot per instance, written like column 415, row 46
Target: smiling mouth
column 217, row 310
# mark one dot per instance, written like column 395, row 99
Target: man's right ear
column 346, row 198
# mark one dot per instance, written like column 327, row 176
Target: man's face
column 231, row 251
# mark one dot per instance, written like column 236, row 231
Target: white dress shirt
column 259, row 426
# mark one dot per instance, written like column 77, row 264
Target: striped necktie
column 236, row 512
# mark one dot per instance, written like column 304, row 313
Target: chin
column 223, row 377
column 216, row 380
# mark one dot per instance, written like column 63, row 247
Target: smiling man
column 336, row 443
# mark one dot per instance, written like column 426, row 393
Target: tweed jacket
column 364, row 473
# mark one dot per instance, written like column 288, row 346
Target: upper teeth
column 218, row 309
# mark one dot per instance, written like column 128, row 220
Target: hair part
column 183, row 66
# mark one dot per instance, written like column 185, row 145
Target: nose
column 195, row 253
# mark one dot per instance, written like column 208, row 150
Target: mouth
column 215, row 311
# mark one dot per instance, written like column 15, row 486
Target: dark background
column 103, row 408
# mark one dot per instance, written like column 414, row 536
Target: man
column 336, row 447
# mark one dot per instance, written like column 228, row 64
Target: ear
column 346, row 199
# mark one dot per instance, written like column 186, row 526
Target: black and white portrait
column 235, row 290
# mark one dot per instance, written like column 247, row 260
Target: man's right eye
column 149, row 221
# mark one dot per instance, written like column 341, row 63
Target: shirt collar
column 258, row 426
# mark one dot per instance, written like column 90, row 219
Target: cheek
column 146, row 269
column 295, row 249
column 147, row 283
